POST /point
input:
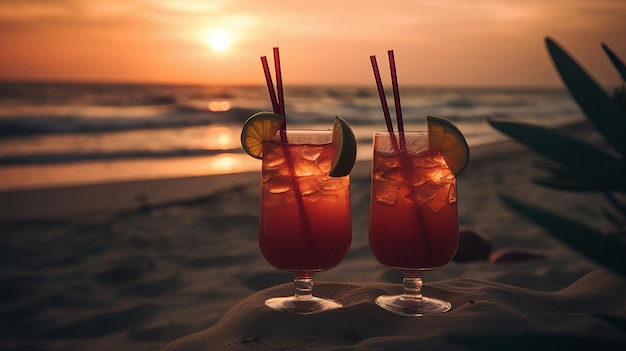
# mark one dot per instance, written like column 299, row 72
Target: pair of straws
column 396, row 99
column 278, row 100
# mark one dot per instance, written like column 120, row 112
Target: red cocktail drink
column 414, row 223
column 305, row 223
column 413, row 215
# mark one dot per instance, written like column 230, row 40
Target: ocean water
column 58, row 134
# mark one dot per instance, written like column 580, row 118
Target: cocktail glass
column 413, row 216
column 305, row 223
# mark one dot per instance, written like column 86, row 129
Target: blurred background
column 96, row 92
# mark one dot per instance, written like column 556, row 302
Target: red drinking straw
column 383, row 102
column 401, row 152
column 279, row 84
column 278, row 104
column 396, row 98
column 281, row 96
column 270, row 84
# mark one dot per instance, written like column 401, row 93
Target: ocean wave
column 62, row 94
column 173, row 117
column 52, row 158
column 64, row 123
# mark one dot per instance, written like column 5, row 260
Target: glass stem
column 304, row 288
column 412, row 287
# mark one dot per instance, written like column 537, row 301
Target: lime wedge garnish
column 258, row 128
column 449, row 139
column 344, row 143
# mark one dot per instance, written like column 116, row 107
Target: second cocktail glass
column 305, row 224
column 413, row 216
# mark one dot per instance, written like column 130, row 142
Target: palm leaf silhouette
column 619, row 65
column 608, row 250
column 579, row 166
column 597, row 105
column 584, row 166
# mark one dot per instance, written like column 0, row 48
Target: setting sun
column 323, row 42
column 219, row 40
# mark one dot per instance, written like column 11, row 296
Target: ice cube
column 311, row 152
column 435, row 196
column 440, row 176
column 377, row 174
column 324, row 197
column 277, row 184
column 440, row 201
column 269, row 173
column 452, row 193
column 306, row 168
column 395, row 174
column 324, row 166
column 389, row 162
column 423, row 193
column 426, row 162
column 273, row 159
column 333, row 183
column 275, row 200
column 388, row 193
column 309, row 185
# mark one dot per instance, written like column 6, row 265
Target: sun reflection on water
column 223, row 162
column 219, row 106
column 220, row 138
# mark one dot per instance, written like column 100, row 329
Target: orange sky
column 443, row 42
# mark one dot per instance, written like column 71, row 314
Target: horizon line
column 329, row 85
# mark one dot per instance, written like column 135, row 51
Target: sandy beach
column 140, row 265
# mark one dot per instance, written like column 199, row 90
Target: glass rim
column 292, row 130
column 305, row 136
column 404, row 132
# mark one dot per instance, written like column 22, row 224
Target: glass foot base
column 302, row 305
column 412, row 307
